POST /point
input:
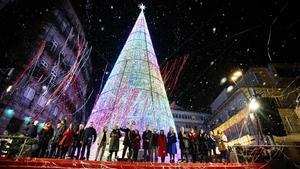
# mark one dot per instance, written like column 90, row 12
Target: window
column 44, row 63
column 29, row 93
column 55, row 112
column 54, row 45
column 63, row 25
column 53, row 76
column 42, row 101
column 60, row 116
column 193, row 117
column 62, row 53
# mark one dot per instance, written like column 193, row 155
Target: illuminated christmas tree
column 134, row 92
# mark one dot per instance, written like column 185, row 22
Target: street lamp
column 236, row 75
column 253, row 105
column 229, row 89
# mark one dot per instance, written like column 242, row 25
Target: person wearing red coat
column 66, row 141
column 193, row 144
column 162, row 145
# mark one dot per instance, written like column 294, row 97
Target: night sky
column 218, row 36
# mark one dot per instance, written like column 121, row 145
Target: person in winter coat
column 153, row 145
column 146, row 143
column 31, row 130
column 162, row 145
column 136, row 144
column 171, row 146
column 76, row 142
column 103, row 140
column 223, row 147
column 88, row 137
column 193, row 144
column 202, row 145
column 127, row 141
column 183, row 144
column 211, row 142
column 60, row 129
column 44, row 137
column 66, row 141
column 115, row 136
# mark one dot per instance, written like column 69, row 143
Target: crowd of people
column 76, row 141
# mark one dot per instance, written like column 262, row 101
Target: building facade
column 54, row 81
column 189, row 119
column 231, row 113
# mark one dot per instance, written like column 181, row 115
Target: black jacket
column 89, row 135
column 128, row 136
column 147, row 139
column 31, row 131
column 183, row 141
column 76, row 138
column 45, row 135
column 58, row 134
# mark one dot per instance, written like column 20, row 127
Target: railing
column 9, row 142
column 263, row 153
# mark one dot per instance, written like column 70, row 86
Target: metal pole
column 20, row 153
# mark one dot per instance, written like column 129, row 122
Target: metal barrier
column 257, row 150
column 10, row 139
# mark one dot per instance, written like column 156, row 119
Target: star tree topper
column 142, row 6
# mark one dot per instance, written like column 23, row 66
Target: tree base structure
column 39, row 163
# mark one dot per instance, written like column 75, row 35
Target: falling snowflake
column 214, row 30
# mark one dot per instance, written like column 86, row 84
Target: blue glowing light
column 27, row 119
column 9, row 112
column 41, row 125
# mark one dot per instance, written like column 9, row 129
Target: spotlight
column 253, row 105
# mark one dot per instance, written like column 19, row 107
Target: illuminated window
column 54, row 45
column 62, row 53
column 55, row 112
column 53, row 76
column 42, row 101
column 29, row 93
column 44, row 63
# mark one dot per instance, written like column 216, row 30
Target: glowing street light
column 236, row 75
column 229, row 88
column 253, row 105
